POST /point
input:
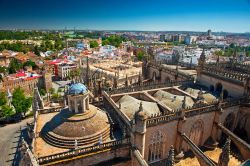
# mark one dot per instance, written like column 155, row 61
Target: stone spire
column 140, row 107
column 224, row 156
column 200, row 95
column 126, row 81
column 170, row 161
column 9, row 97
column 191, row 62
column 184, row 105
column 37, row 100
column 140, row 79
column 247, row 88
column 221, row 96
column 202, row 59
column 116, row 80
column 87, row 72
column 218, row 59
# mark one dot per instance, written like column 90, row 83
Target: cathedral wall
column 244, row 123
column 166, row 77
column 202, row 132
column 169, row 132
column 233, row 89
column 153, row 70
column 102, row 157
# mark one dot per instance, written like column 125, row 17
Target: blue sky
column 155, row 15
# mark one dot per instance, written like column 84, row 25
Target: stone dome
column 87, row 128
column 77, row 88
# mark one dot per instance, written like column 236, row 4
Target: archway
column 154, row 76
column 229, row 124
column 229, row 121
column 225, row 94
column 218, row 88
column 196, row 132
column 167, row 79
column 211, row 88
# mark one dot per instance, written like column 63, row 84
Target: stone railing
column 202, row 158
column 242, row 145
column 169, row 70
column 50, row 109
column 197, row 109
column 228, row 75
column 85, row 150
column 156, row 119
column 240, row 67
column 148, row 86
column 202, row 110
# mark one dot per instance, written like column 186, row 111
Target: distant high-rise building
column 209, row 34
column 162, row 38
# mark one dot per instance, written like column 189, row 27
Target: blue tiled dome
column 77, row 88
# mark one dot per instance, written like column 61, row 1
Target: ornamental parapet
column 226, row 74
column 85, row 150
column 197, row 109
column 148, row 86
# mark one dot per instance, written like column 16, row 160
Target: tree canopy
column 113, row 40
column 93, row 44
column 20, row 102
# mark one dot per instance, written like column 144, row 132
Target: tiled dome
column 77, row 88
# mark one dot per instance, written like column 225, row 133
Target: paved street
column 9, row 137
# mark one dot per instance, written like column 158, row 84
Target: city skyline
column 159, row 15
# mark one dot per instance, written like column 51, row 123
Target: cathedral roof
column 173, row 101
column 130, row 106
column 64, row 128
column 77, row 88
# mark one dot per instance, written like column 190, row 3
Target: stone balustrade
column 226, row 74
column 202, row 158
column 50, row 110
column 85, row 150
column 197, row 109
column 148, row 86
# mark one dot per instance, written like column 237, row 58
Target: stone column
column 76, row 107
column 83, row 105
column 87, row 103
column 140, row 130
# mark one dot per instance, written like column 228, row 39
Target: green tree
column 3, row 98
column 218, row 53
column 20, row 102
column 93, row 44
column 51, row 90
column 6, row 111
column 36, row 50
column 140, row 55
column 14, row 66
column 42, row 92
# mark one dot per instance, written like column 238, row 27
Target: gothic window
column 155, row 147
column 196, row 132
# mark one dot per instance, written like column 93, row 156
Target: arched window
column 196, row 132
column 155, row 147
column 219, row 87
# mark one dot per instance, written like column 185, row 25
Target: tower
column 201, row 62
column 47, row 80
column 78, row 98
column 9, row 96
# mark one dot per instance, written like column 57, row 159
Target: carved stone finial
column 140, row 108
column 224, row 156
column 170, row 161
column 184, row 103
column 120, row 105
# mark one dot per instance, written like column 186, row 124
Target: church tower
column 201, row 63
